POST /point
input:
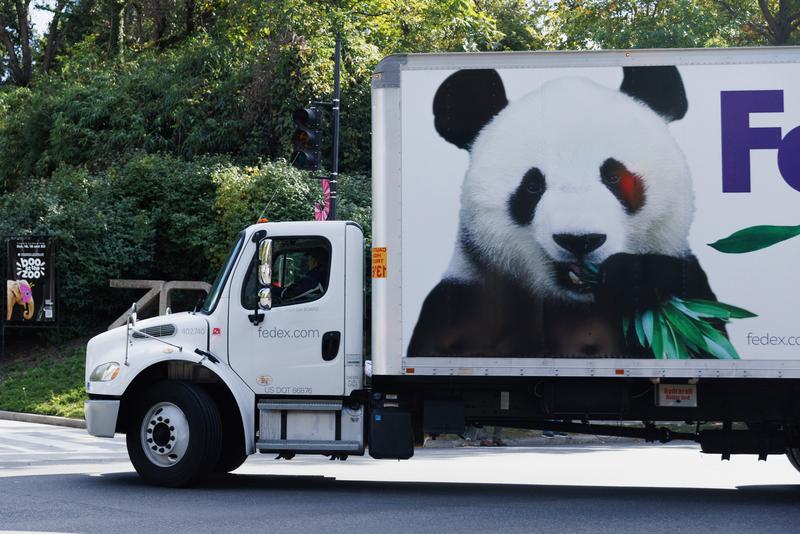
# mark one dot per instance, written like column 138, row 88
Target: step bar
column 314, row 426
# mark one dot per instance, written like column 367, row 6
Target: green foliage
column 755, row 238
column 154, row 216
column 50, row 387
column 276, row 190
column 637, row 24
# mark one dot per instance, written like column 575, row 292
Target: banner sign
column 600, row 212
column 30, row 281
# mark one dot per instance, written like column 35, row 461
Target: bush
column 158, row 217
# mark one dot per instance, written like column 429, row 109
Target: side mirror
column 265, row 298
column 265, row 262
column 265, row 274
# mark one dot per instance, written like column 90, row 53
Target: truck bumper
column 101, row 417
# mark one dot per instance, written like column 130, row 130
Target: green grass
column 49, row 387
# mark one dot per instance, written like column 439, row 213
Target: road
column 56, row 479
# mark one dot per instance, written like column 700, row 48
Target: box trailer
column 559, row 240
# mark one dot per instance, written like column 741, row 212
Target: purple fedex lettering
column 738, row 139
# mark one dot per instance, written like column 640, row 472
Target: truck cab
column 273, row 361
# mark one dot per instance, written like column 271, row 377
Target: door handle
column 256, row 317
column 330, row 345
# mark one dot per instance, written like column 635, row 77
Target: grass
column 47, row 386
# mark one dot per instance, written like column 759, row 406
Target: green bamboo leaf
column 703, row 309
column 637, row 323
column 657, row 342
column 670, row 347
column 681, row 349
column 718, row 344
column 732, row 311
column 717, row 350
column 647, row 326
column 683, row 325
column 755, row 238
column 679, row 303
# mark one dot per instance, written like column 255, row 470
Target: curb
column 42, row 419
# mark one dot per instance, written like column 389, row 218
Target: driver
column 313, row 281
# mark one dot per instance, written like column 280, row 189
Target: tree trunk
column 20, row 61
column 190, row 8
column 53, row 37
column 25, row 39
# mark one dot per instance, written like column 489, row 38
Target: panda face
column 570, row 174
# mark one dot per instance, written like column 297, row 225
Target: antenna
column 269, row 203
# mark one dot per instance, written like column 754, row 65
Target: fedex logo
column 738, row 139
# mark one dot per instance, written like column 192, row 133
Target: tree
column 636, row 24
column 15, row 37
column 18, row 42
column 776, row 22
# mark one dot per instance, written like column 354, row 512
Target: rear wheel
column 175, row 435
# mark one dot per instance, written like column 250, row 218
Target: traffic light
column 306, row 138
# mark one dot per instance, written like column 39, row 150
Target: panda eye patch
column 522, row 203
column 624, row 184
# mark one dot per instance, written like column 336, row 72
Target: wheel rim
column 165, row 434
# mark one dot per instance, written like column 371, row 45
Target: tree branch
column 13, row 60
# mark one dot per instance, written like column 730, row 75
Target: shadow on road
column 331, row 487
column 121, row 502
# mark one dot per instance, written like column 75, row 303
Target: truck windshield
column 222, row 276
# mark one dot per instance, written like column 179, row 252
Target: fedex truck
column 559, row 240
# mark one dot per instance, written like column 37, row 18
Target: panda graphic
column 571, row 175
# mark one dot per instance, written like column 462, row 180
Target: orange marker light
column 619, row 371
column 409, row 370
column 263, row 219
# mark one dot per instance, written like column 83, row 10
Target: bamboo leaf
column 718, row 344
column 626, row 323
column 678, row 303
column 683, row 325
column 637, row 323
column 657, row 342
column 701, row 308
column 732, row 311
column 647, row 326
column 755, row 238
column 668, row 338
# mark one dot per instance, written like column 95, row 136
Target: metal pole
column 335, row 116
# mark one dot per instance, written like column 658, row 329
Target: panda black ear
column 661, row 88
column 465, row 102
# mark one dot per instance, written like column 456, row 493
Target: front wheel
column 793, row 454
column 175, row 436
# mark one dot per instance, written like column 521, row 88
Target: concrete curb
column 42, row 419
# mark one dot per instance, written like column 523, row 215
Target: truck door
column 297, row 347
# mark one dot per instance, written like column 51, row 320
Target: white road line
column 39, row 442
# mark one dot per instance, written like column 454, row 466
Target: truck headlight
column 105, row 372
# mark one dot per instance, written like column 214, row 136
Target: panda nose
column 579, row 244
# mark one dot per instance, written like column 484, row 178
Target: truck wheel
column 793, row 455
column 232, row 457
column 175, row 435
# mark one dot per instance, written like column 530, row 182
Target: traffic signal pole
column 335, row 119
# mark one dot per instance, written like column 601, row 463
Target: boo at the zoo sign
column 30, row 281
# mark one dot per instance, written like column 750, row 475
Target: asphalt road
column 62, row 480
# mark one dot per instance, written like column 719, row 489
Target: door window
column 300, row 272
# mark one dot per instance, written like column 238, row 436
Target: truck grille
column 162, row 330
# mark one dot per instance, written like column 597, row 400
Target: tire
column 232, row 455
column 180, row 425
column 794, row 457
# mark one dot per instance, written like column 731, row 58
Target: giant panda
column 573, row 173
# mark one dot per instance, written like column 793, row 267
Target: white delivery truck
column 559, row 240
